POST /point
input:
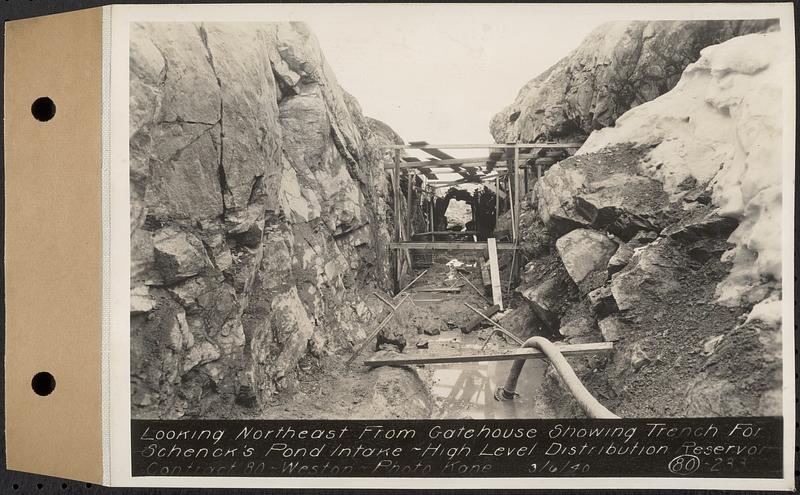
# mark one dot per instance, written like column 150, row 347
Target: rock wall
column 662, row 235
column 258, row 214
column 618, row 66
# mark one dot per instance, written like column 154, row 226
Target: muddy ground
column 326, row 388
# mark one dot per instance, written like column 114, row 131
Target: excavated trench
column 428, row 323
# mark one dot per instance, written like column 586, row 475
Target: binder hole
column 43, row 383
column 43, row 109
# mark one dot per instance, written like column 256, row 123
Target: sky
column 440, row 72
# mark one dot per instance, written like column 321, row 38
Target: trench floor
column 327, row 389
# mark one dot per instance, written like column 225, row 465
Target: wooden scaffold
column 506, row 163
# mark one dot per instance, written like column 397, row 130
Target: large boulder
column 652, row 274
column 545, row 299
column 620, row 204
column 585, row 254
column 555, row 198
column 618, row 66
column 721, row 129
column 607, row 190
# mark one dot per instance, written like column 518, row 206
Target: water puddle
column 466, row 390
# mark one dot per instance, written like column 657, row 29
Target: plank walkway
column 567, row 350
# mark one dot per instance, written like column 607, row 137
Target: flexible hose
column 591, row 406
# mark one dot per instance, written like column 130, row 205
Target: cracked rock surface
column 618, row 66
column 258, row 214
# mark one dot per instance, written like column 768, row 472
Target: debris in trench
column 479, row 321
column 387, row 338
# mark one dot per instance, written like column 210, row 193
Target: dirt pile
column 258, row 214
column 649, row 238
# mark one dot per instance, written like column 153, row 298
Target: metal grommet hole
column 43, row 383
column 43, row 109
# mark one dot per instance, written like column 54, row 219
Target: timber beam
column 448, row 245
column 522, row 353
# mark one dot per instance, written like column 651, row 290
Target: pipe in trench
column 591, row 406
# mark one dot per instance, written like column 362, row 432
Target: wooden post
column 526, row 180
column 496, row 201
column 517, row 192
column 409, row 204
column 515, row 263
column 431, row 200
column 511, row 207
column 430, row 214
column 396, row 193
column 494, row 268
column 409, row 208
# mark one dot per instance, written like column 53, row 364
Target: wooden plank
column 452, row 168
column 569, row 350
column 446, row 232
column 455, row 162
column 466, row 172
column 412, row 159
column 439, row 289
column 447, row 245
column 477, row 321
column 494, row 269
column 478, row 178
column 431, row 150
column 422, row 145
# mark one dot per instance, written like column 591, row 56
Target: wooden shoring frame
column 515, row 176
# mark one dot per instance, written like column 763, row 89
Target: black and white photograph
column 437, row 216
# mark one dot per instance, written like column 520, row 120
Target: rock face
column 689, row 186
column 719, row 133
column 258, row 213
column 585, row 254
column 618, row 66
column 609, row 192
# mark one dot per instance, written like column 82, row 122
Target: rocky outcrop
column 258, row 213
column 689, row 186
column 618, row 66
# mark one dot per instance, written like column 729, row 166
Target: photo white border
column 118, row 392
